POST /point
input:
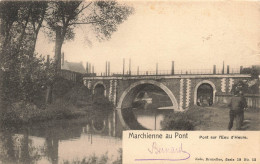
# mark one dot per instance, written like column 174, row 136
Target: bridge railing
column 169, row 72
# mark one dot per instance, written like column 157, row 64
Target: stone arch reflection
column 127, row 103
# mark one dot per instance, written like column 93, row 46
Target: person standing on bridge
column 237, row 105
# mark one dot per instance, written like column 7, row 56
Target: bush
column 78, row 96
column 61, row 86
column 186, row 120
column 73, row 102
column 177, row 121
column 22, row 113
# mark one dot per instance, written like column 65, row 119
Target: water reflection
column 150, row 104
column 18, row 148
column 63, row 140
column 142, row 119
column 59, row 141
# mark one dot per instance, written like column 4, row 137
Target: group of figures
column 205, row 101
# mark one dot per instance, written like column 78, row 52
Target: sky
column 195, row 35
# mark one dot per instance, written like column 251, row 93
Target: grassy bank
column 69, row 102
column 93, row 159
column 187, row 120
column 209, row 118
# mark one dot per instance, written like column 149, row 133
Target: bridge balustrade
column 169, row 72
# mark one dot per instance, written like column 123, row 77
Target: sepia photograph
column 76, row 75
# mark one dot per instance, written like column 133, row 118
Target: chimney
column 106, row 69
column 87, row 67
column 241, row 69
column 172, row 67
column 227, row 69
column 223, row 68
column 214, row 69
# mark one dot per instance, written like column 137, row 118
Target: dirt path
column 219, row 119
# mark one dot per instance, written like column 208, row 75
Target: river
column 96, row 138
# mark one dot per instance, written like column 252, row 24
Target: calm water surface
column 72, row 140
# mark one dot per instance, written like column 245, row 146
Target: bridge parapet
column 165, row 77
column 175, row 72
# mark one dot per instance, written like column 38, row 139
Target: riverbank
column 23, row 114
column 71, row 103
column 218, row 119
column 214, row 117
column 96, row 138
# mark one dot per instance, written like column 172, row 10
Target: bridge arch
column 204, row 82
column 102, row 84
column 136, row 84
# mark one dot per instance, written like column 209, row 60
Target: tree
column 8, row 15
column 20, row 25
column 22, row 71
column 252, row 71
column 64, row 16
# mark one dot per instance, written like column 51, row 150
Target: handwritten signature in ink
column 156, row 149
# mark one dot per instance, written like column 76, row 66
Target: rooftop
column 73, row 66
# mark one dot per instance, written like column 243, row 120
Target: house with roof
column 72, row 66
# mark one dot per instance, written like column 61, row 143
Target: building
column 72, row 66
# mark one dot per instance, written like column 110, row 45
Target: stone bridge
column 181, row 89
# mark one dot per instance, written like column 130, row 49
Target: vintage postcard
column 129, row 82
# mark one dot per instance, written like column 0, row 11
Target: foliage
column 239, row 86
column 177, row 121
column 187, row 120
column 24, row 73
column 247, row 87
column 28, row 83
column 104, row 16
column 63, row 16
column 61, row 86
column 119, row 160
column 93, row 159
column 252, row 71
column 22, row 113
column 250, row 86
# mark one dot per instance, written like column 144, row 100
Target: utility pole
column 123, row 66
column 130, row 66
column 108, row 68
column 156, row 68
